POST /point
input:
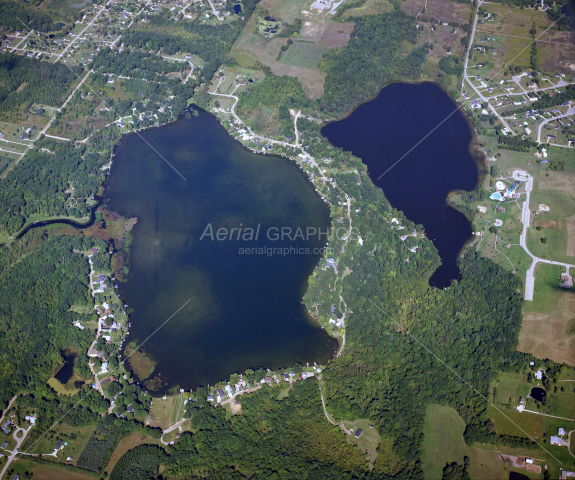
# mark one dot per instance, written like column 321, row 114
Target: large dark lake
column 245, row 309
column 385, row 129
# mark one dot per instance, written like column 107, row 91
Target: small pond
column 538, row 394
column 517, row 476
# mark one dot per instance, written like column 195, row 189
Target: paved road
column 15, row 451
column 561, row 83
column 525, row 219
column 466, row 77
column 84, row 29
column 216, row 13
column 570, row 111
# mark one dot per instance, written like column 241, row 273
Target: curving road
column 525, row 219
column 570, row 111
column 15, row 451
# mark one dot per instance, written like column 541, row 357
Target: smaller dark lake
column 67, row 370
column 416, row 146
column 538, row 394
column 237, row 9
column 517, row 476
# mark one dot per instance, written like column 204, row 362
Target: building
column 482, row 209
column 501, row 209
column 561, row 432
column 539, row 374
column 210, row 397
column 566, row 281
column 4, row 445
column 59, row 445
column 555, row 440
column 269, row 379
column 358, row 433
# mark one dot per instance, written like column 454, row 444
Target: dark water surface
column 245, row 311
column 383, row 130
column 67, row 370
column 538, row 393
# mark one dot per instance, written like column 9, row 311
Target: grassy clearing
column 284, row 393
column 485, row 463
column 442, row 440
column 304, row 55
column 367, row 442
column 165, row 412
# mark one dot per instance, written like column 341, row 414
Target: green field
column 561, row 204
column 547, row 289
column 304, row 55
column 442, row 440
column 555, row 248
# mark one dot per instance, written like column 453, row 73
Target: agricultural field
column 446, row 39
column 556, row 49
column 127, row 443
column 545, row 330
column 45, row 470
column 442, row 440
column 304, row 55
column 318, row 33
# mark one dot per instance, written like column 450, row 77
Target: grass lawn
column 516, row 424
column 442, row 440
column 562, row 404
column 304, row 55
column 547, row 290
column 555, row 248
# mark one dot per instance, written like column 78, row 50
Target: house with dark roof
column 358, row 433
column 4, row 445
column 59, row 445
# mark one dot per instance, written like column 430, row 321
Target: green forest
column 37, row 291
column 41, row 184
column 288, row 438
column 42, row 82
